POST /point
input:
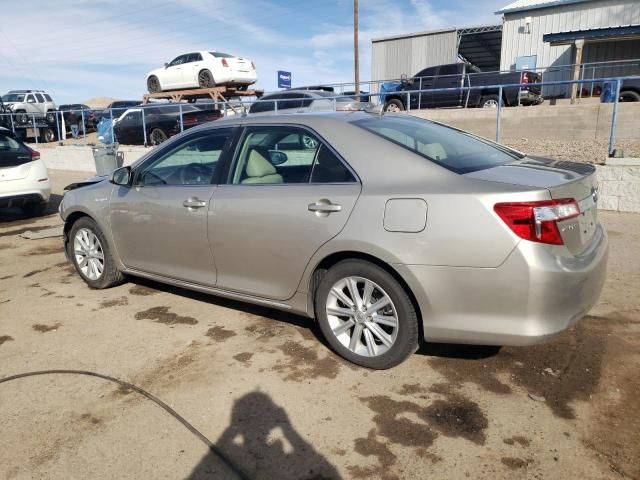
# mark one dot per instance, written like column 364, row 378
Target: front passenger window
column 191, row 163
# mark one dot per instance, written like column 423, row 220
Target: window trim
column 170, row 147
column 225, row 180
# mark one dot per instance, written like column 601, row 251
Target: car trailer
column 220, row 94
column 38, row 129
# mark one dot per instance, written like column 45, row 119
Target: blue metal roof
column 591, row 34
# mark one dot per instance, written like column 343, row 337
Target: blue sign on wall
column 284, row 79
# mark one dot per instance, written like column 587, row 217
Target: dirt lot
column 279, row 405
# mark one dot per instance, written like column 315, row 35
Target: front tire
column 50, row 117
column 157, row 136
column 393, row 105
column 90, row 253
column 205, row 79
column 366, row 315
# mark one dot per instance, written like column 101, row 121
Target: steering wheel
column 195, row 174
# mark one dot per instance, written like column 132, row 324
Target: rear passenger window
column 329, row 169
column 40, row 98
column 31, row 99
column 275, row 155
column 449, row 69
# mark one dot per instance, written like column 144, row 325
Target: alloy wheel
column 362, row 316
column 393, row 108
column 490, row 104
column 88, row 254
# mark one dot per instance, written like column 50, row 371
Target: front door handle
column 194, row 202
column 324, row 207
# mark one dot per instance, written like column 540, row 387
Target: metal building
column 555, row 33
column 408, row 54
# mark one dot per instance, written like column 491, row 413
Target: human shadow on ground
column 261, row 443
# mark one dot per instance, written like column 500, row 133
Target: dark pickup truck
column 457, row 75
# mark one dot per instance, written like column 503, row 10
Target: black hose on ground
column 146, row 394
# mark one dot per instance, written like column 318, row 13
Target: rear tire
column 205, row 79
column 88, row 245
column 153, row 84
column 629, row 96
column 393, row 105
column 489, row 101
column 384, row 337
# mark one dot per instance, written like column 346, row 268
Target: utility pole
column 356, row 59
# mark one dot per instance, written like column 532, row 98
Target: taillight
column 35, row 155
column 253, row 65
column 224, row 62
column 538, row 221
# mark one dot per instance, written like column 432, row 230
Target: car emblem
column 594, row 194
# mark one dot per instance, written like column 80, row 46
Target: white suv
column 30, row 103
column 24, row 180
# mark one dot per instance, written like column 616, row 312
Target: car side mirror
column 121, row 176
column 277, row 157
column 166, row 65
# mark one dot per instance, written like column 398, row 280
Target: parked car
column 457, row 75
column 24, row 180
column 202, row 70
column 29, row 104
column 160, row 121
column 80, row 110
column 115, row 109
column 305, row 101
column 387, row 229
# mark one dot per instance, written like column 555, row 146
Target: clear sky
column 79, row 49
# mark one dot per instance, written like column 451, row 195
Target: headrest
column 258, row 166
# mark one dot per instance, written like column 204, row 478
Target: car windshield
column 452, row 149
column 221, row 55
column 13, row 97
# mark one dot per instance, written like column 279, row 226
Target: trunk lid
column 562, row 179
column 239, row 64
column 14, row 172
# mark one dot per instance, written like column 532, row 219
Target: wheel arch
column 328, row 261
column 72, row 217
column 388, row 98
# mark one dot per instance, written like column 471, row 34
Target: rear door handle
column 194, row 202
column 324, row 206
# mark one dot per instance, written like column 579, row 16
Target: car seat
column 260, row 170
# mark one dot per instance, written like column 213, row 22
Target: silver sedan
column 387, row 229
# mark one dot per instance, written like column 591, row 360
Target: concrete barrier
column 590, row 121
column 80, row 157
column 619, row 182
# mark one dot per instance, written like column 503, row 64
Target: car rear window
column 452, row 149
column 221, row 55
column 12, row 152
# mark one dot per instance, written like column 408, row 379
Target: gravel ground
column 279, row 405
column 592, row 151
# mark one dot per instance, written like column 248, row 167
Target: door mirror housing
column 166, row 65
column 121, row 176
column 404, row 80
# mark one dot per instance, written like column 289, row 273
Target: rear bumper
column 533, row 296
column 22, row 199
column 237, row 77
column 531, row 98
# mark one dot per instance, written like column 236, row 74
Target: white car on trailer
column 202, row 70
